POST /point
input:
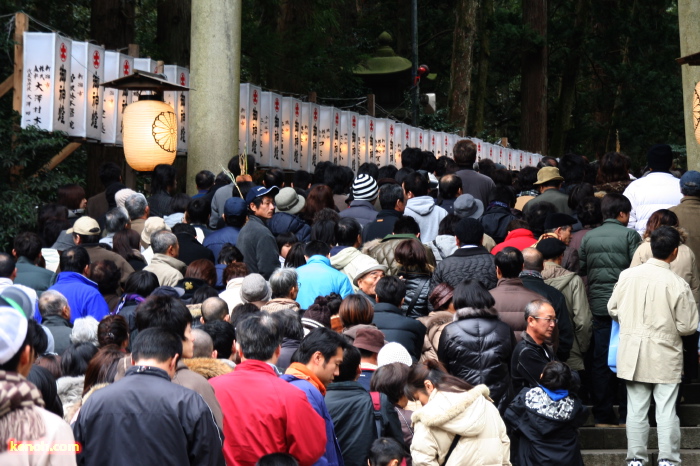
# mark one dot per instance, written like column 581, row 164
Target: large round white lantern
column 696, row 112
column 150, row 134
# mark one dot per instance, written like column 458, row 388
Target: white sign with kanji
column 362, row 139
column 265, row 156
column 117, row 65
column 179, row 101
column 85, row 96
column 325, row 134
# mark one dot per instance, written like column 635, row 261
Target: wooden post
column 312, row 97
column 160, row 66
column 21, row 26
column 370, row 105
column 61, row 156
column 504, row 142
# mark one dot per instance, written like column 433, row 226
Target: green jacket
column 605, row 252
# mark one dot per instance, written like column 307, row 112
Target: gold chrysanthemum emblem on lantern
column 165, row 131
column 696, row 112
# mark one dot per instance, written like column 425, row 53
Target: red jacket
column 520, row 238
column 264, row 414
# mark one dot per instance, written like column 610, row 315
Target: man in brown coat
column 688, row 211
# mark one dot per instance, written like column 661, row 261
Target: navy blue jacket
column 282, row 222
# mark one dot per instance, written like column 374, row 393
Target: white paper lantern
column 696, row 112
column 150, row 134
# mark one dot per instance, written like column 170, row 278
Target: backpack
column 378, row 419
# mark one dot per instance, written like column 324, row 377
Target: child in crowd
column 386, row 451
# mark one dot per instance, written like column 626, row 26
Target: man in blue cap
column 235, row 214
column 255, row 241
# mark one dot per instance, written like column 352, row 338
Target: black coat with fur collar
column 477, row 347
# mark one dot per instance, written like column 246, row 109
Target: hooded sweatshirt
column 346, row 261
column 427, row 215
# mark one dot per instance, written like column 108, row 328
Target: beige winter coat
column 168, row 269
column 684, row 266
column 574, row 291
column 468, row 414
column 347, row 262
column 654, row 307
column 434, row 323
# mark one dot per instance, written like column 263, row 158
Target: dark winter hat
column 467, row 205
column 556, row 220
column 660, row 157
column 690, row 181
column 259, row 191
column 369, row 339
column 364, row 188
column 551, row 248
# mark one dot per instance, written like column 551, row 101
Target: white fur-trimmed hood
column 461, row 413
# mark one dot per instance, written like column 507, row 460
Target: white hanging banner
column 353, row 141
column 276, row 139
column 446, row 146
column 287, row 132
column 362, row 128
column 243, row 117
column 117, row 65
column 145, row 64
column 381, row 141
column 265, row 157
column 336, row 156
column 401, row 134
column 305, row 136
column 372, row 140
column 296, row 135
column 46, row 81
column 314, row 133
column 254, row 123
column 344, row 141
column 179, row 101
column 87, row 72
column 325, row 134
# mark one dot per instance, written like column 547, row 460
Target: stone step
column 689, row 415
column 615, row 438
column 618, row 457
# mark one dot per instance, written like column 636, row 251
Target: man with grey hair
column 137, row 207
column 531, row 354
column 214, row 309
column 55, row 316
column 284, row 283
column 115, row 220
column 165, row 264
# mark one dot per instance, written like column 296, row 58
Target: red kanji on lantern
column 296, row 110
column 420, row 139
column 407, row 135
column 371, row 126
column 182, row 79
column 127, row 67
column 391, row 130
column 315, row 114
column 255, row 97
column 277, row 105
column 337, row 119
column 64, row 51
column 433, row 143
column 353, row 122
column 96, row 59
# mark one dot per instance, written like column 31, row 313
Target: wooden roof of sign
column 690, row 60
column 144, row 81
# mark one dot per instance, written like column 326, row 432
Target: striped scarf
column 18, row 419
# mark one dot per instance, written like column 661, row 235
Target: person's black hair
column 389, row 194
column 390, row 289
column 370, row 169
column 588, row 211
column 348, row 368
column 502, row 177
column 316, row 248
column 27, row 244
column 517, row 223
column 74, row 259
column 486, row 167
column 198, row 211
column 107, row 276
column 536, row 216
column 503, row 193
column 321, row 339
column 156, row 343
column 346, row 231
column 237, row 221
column 411, row 157
column 290, row 324
column 573, row 168
column 11, row 364
column 324, row 231
column 510, row 261
column 472, row 293
column 75, row 359
column 578, row 193
column 429, row 162
column 109, row 173
column 235, row 169
column 663, row 241
column 384, row 450
column 273, row 177
column 163, row 178
column 295, row 256
column 88, row 239
column 179, row 203
column 46, row 383
column 242, row 311
column 387, row 171
column 141, row 283
column 556, row 376
column 202, row 293
column 449, row 186
column 284, row 239
column 164, row 312
column 445, row 166
column 335, row 178
column 183, row 228
column 301, row 179
column 527, row 177
column 39, row 341
column 406, row 225
column 447, row 224
column 204, row 179
column 222, row 334
column 7, row 265
column 320, row 171
column 229, row 253
column 469, row 231
column 401, row 175
column 613, row 203
column 547, row 161
column 417, row 184
column 277, row 459
column 390, row 380
column 259, row 336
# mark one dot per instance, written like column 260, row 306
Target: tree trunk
column 173, row 31
column 567, row 93
column 533, row 125
column 461, row 70
column 111, row 25
column 485, row 25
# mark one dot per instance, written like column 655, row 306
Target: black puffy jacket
column 410, row 333
column 282, row 222
column 417, row 290
column 474, row 263
column 478, row 348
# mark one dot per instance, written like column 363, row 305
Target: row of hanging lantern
column 63, row 91
column 292, row 134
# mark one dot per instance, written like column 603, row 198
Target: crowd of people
column 448, row 312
